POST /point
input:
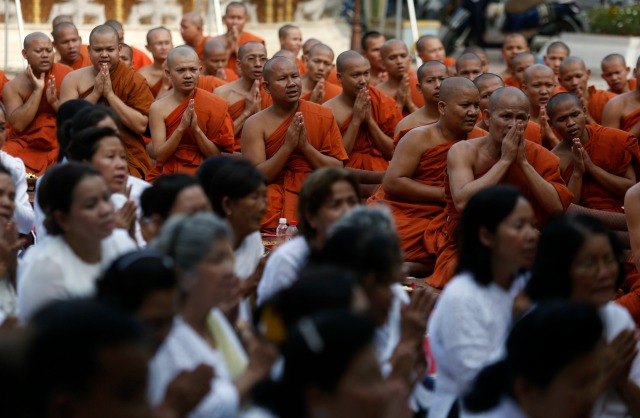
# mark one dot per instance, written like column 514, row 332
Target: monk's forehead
column 393, row 47
column 322, row 50
column 36, row 39
column 512, row 99
column 282, row 66
column 572, row 66
column 431, row 42
column 255, row 48
column 433, row 70
column 489, row 84
column 614, row 62
column 566, row 103
column 354, row 61
column 184, row 55
column 515, row 40
column 539, row 72
column 524, row 59
column 159, row 34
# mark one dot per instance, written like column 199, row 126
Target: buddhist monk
column 290, row 38
column 31, row 101
column 469, row 66
column 574, row 76
column 514, row 43
column 599, row 164
column 246, row 96
column 188, row 124
column 84, row 49
column 3, row 80
column 235, row 18
column 623, row 112
column 486, row 84
column 430, row 77
column 286, row 54
column 430, row 48
column 631, row 300
column 519, row 64
column 615, row 72
column 315, row 88
column 68, row 43
column 140, row 59
column 216, row 59
column 110, row 83
column 191, row 30
column 481, row 53
column 367, row 118
column 126, row 55
column 412, row 186
column 306, row 47
column 371, row 44
column 503, row 156
column 402, row 83
column 159, row 44
column 289, row 140
column 539, row 84
column 556, row 53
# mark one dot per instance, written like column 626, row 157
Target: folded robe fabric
column 597, row 100
column 330, row 91
column 236, row 109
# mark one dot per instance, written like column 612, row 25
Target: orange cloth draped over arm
column 323, row 135
column 210, row 82
column 439, row 237
column 236, row 109
column 133, row 90
column 364, row 155
column 81, row 62
column 37, row 146
column 512, row 82
column 532, row 133
column 597, row 101
column 333, row 77
column 416, row 94
column 612, row 150
column 629, row 121
column 213, row 120
column 330, row 91
column 3, row 80
column 155, row 89
column 244, row 38
column 140, row 59
column 301, row 68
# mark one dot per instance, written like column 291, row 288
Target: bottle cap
column 293, row 223
column 283, row 220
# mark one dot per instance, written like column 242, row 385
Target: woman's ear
column 227, row 206
column 62, row 219
column 527, row 396
column 485, row 237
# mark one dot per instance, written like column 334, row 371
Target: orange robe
column 210, row 82
column 330, row 91
column 133, row 90
column 364, row 155
column 3, row 80
column 323, row 135
column 233, row 57
column 449, row 61
column 301, row 68
column 512, row 82
column 416, row 94
column 629, row 121
column 200, row 48
column 439, row 236
column 213, row 120
column 155, row 89
column 597, row 100
column 37, row 146
column 140, row 59
column 231, row 75
column 333, row 77
column 236, row 109
column 612, row 150
column 81, row 62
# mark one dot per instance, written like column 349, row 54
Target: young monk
column 31, row 101
column 315, row 88
column 430, row 48
column 412, row 186
column 117, row 86
column 623, row 112
column 139, row 58
column 159, row 44
column 503, row 156
column 481, row 53
column 574, row 77
column 486, row 85
column 288, row 140
column 430, row 77
column 539, row 85
column 68, row 43
column 556, row 53
column 615, row 72
column 291, row 39
column 402, row 83
column 191, row 30
column 371, row 44
column 126, row 55
column 519, row 64
column 366, row 117
column 514, row 43
column 188, row 124
column 235, row 17
column 599, row 164
column 246, row 96
column 469, row 66
column 216, row 58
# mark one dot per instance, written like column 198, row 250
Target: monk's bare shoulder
column 19, row 85
column 469, row 149
column 164, row 105
column 226, row 91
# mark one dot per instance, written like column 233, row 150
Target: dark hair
column 161, row 196
column 234, row 180
column 315, row 190
column 132, row 277
column 56, row 191
column 372, row 34
column 83, row 117
column 84, row 145
column 209, row 168
column 486, row 209
column 64, row 349
column 65, row 114
column 541, row 344
column 559, row 244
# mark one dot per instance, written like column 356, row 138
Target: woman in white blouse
column 80, row 220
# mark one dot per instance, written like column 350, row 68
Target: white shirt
column 24, row 214
column 52, row 271
column 282, row 268
column 248, row 257
column 184, row 349
column 387, row 336
column 467, row 331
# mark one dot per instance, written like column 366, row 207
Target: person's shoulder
column 118, row 242
column 224, row 90
column 213, row 103
column 289, row 251
column 616, row 318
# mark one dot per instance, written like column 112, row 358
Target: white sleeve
column 35, row 288
column 279, row 273
column 24, row 213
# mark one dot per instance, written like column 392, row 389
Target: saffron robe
column 139, row 59
column 210, row 82
column 233, row 57
column 3, row 80
column 302, row 70
column 81, row 62
column 200, row 48
column 213, row 120
column 364, row 155
column 612, row 150
column 236, row 109
column 323, row 135
column 512, row 82
column 439, row 236
column 155, row 89
column 475, row 133
column 416, row 94
column 37, row 146
column 133, row 90
column 330, row 91
column 629, row 121
column 597, row 100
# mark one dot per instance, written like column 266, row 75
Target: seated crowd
column 150, row 274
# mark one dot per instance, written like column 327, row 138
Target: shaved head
column 318, row 48
column 507, row 93
column 468, row 56
column 308, row 44
column 181, row 51
column 60, row 19
column 343, row 59
column 58, row 29
column 572, row 60
column 237, row 5
column 104, row 30
column 562, row 98
column 285, row 53
column 268, row 70
column 482, row 78
column 32, row 37
column 521, row 57
column 422, row 41
column 453, row 86
column 214, row 45
column 428, row 65
column 195, row 18
column 558, row 45
column 390, row 44
column 245, row 48
column 114, row 24
column 156, row 30
column 536, row 69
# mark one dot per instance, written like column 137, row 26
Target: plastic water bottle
column 292, row 231
column 281, row 231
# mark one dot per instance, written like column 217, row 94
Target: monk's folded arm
column 350, row 135
column 543, row 191
column 272, row 167
column 632, row 215
column 380, row 139
column 205, row 145
column 252, row 146
column 129, row 116
column 611, row 114
column 575, row 186
column 21, row 114
column 617, row 185
column 238, row 123
column 318, row 159
column 164, row 148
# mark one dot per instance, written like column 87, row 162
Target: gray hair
column 372, row 219
column 187, row 238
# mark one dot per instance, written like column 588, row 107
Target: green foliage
column 615, row 20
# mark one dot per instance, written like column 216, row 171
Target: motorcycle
column 485, row 23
